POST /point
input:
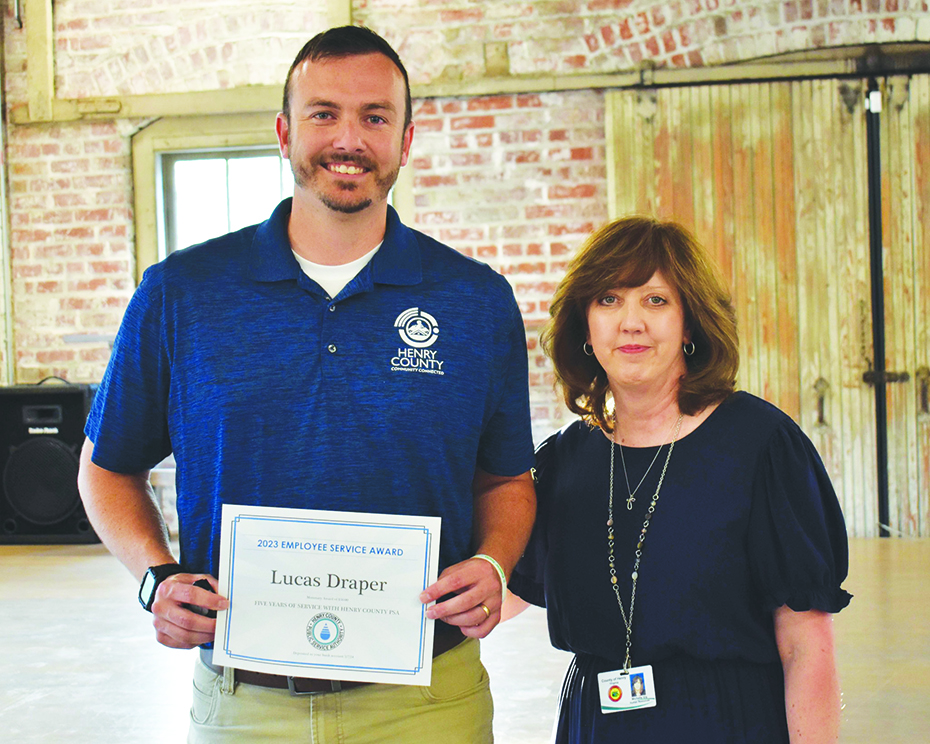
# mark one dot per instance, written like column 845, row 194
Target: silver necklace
column 628, row 618
column 632, row 492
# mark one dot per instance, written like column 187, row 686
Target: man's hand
column 176, row 625
column 476, row 586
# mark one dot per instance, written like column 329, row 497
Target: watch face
column 147, row 590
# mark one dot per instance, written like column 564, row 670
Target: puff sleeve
column 797, row 542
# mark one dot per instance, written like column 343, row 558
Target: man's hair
column 626, row 253
column 347, row 41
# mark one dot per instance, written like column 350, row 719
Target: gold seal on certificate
column 333, row 595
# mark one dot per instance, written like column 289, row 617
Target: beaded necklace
column 628, row 618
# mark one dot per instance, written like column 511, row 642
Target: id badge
column 620, row 690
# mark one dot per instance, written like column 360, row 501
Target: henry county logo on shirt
column 418, row 330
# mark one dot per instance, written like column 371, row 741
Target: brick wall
column 448, row 39
column 71, row 229
column 515, row 180
column 120, row 47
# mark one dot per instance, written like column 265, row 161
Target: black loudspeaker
column 41, row 434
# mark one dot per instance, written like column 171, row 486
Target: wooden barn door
column 772, row 177
column 905, row 186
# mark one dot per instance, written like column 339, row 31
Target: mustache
column 358, row 160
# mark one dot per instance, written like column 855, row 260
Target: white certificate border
column 336, row 522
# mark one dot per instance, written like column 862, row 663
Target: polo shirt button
column 332, row 348
column 332, row 308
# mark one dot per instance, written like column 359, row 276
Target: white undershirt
column 334, row 278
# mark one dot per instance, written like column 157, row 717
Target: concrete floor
column 79, row 663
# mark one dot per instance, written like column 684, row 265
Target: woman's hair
column 626, row 253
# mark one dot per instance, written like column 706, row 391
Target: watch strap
column 152, row 579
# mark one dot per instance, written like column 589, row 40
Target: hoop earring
column 684, row 348
column 585, row 346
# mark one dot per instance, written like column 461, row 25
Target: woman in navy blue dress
column 689, row 547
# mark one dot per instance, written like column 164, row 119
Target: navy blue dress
column 747, row 521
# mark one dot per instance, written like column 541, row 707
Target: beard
column 344, row 199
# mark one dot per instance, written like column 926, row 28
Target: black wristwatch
column 153, row 577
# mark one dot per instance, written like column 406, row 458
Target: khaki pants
column 455, row 709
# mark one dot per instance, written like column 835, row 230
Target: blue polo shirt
column 383, row 399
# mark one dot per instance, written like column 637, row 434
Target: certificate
column 325, row 594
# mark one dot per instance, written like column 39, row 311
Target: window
column 209, row 193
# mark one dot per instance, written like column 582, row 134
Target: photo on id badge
column 620, row 690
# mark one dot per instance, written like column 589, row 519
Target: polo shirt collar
column 397, row 262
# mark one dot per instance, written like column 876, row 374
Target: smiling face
column 345, row 135
column 637, row 334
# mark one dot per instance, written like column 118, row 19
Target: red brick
column 89, row 249
column 428, row 182
column 436, row 218
column 467, row 159
column 31, row 236
column 471, row 15
column 55, row 355
column 69, row 166
column 581, row 191
column 525, row 156
column 542, row 211
column 597, row 5
column 69, row 200
column 101, row 354
column 108, row 267
column 473, row 122
column 23, row 272
column 53, row 251
column 93, row 215
column 490, row 103
column 668, row 42
column 529, row 100
column 428, row 125
column 585, row 228
column 462, row 233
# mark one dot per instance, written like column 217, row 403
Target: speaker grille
column 40, row 480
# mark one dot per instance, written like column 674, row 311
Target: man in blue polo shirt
column 329, row 358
